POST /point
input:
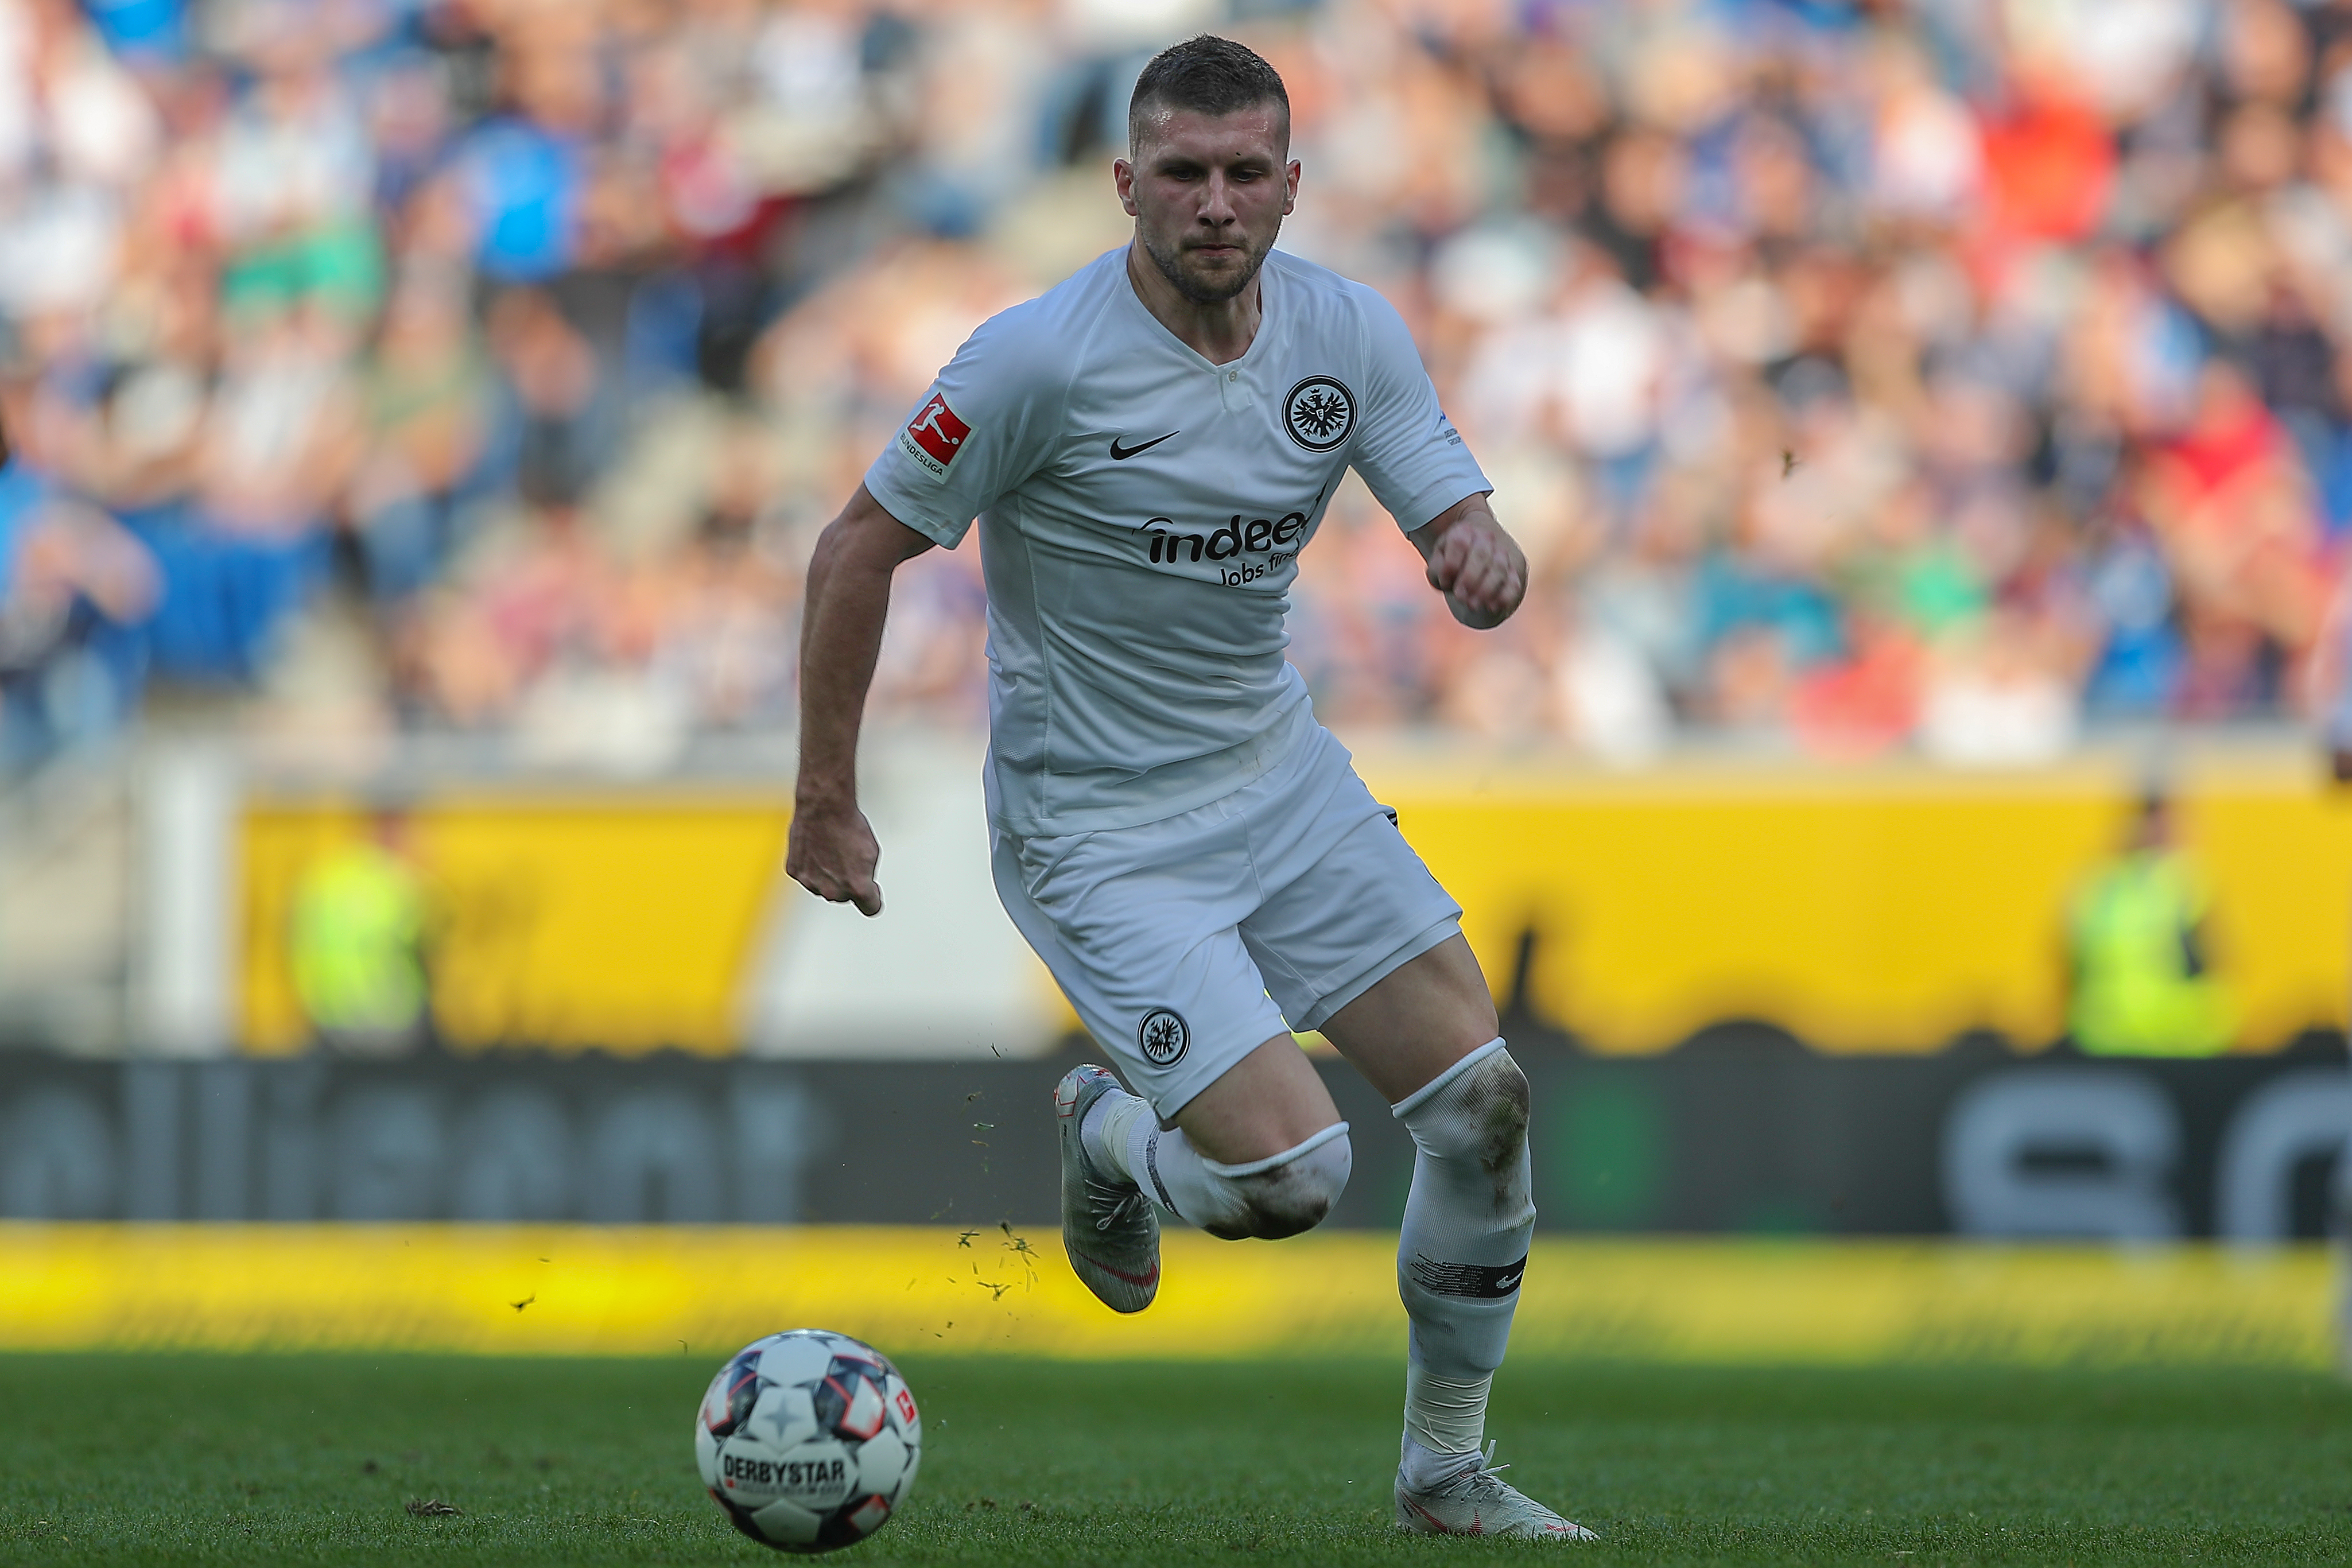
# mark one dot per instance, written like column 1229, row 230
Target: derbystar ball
column 808, row 1440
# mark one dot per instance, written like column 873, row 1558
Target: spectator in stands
column 76, row 592
column 428, row 399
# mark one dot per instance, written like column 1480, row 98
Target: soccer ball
column 808, row 1439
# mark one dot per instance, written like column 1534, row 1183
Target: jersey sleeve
column 985, row 425
column 1408, row 450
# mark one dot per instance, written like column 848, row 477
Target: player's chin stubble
column 1200, row 290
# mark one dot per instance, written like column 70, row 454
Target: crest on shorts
column 1163, row 1037
column 1319, row 413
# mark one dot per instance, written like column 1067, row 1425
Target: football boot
column 1473, row 1501
column 1108, row 1227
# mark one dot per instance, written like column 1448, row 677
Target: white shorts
column 1186, row 944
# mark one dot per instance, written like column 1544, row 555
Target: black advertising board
column 1740, row 1130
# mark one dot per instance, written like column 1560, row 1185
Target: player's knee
column 1501, row 1111
column 1294, row 1196
column 1482, row 1116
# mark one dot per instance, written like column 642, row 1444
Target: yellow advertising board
column 1882, row 909
column 1887, row 909
column 603, row 1289
column 618, row 921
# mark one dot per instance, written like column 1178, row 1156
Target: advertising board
column 1886, row 911
column 1739, row 1130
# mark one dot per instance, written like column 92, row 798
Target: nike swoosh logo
column 1142, row 1281
column 1118, row 456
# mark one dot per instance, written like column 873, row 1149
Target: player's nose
column 1217, row 200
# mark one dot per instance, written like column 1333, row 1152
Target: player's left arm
column 1476, row 565
column 1412, row 457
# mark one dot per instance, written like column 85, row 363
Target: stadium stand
column 1917, row 374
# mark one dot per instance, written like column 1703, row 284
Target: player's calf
column 1279, row 1195
column 1468, row 1220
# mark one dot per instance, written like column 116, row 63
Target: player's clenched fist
column 1475, row 564
column 832, row 852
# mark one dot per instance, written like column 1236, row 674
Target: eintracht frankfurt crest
column 1163, row 1036
column 1319, row 413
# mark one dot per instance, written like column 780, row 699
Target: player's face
column 1208, row 194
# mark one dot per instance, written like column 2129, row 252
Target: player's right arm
column 832, row 851
column 983, row 426
column 980, row 429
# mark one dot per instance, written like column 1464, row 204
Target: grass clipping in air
column 140, row 1460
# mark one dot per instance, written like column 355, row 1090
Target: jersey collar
column 1267, row 302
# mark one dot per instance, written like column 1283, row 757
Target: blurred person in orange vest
column 2143, row 984
column 357, row 944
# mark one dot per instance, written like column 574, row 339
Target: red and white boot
column 1473, row 1501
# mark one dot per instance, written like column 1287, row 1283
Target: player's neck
column 1219, row 332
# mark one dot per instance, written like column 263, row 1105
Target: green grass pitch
column 132, row 1458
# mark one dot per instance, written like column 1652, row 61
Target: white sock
column 1422, row 1468
column 1444, row 1417
column 1464, row 1244
column 1105, row 1131
column 1281, row 1195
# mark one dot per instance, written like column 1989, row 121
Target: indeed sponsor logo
column 1276, row 538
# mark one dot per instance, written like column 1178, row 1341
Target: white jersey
column 1141, row 514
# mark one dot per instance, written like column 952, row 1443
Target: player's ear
column 1122, row 174
column 1289, row 186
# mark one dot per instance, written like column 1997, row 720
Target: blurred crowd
column 1942, row 373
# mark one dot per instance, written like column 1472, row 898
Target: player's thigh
column 1270, row 1101
column 1368, row 948
column 1152, row 964
column 1417, row 1020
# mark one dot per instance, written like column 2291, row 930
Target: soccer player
column 1148, row 447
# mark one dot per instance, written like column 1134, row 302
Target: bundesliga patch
column 934, row 436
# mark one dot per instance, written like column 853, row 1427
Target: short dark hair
column 1207, row 75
